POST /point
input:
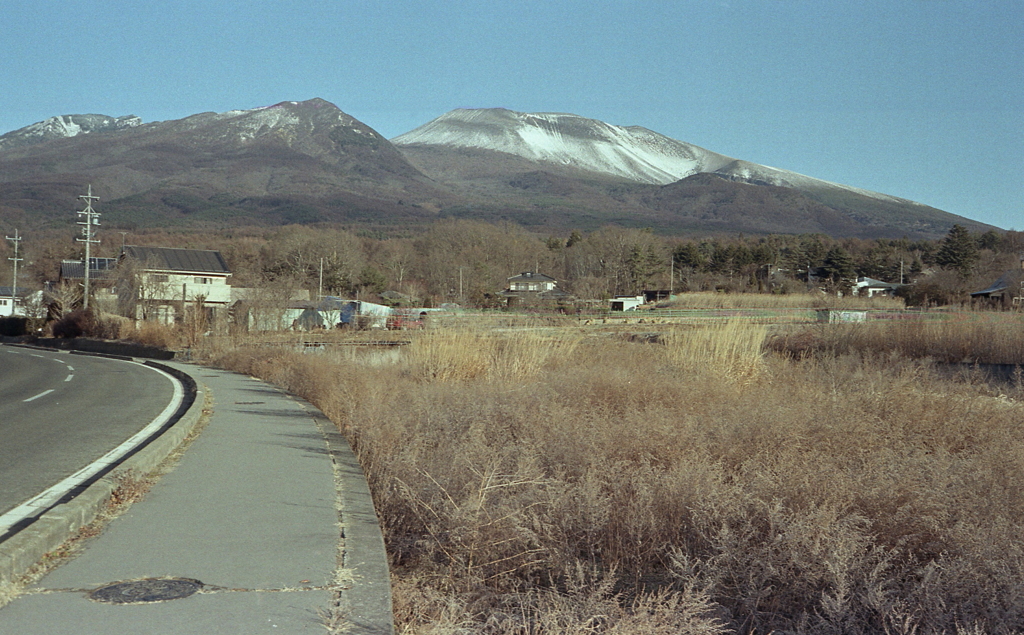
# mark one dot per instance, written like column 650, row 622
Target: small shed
column 625, row 302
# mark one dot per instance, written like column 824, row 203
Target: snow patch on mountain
column 632, row 152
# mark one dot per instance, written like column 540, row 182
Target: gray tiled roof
column 99, row 268
column 23, row 292
column 531, row 277
column 184, row 260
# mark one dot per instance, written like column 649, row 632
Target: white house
column 25, row 303
column 157, row 283
column 871, row 287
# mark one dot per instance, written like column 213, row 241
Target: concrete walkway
column 266, row 525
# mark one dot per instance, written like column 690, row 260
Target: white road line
column 69, row 377
column 42, row 394
column 71, row 369
column 39, row 356
column 59, row 361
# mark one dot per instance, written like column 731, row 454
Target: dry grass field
column 724, row 478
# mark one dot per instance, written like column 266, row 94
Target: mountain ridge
column 308, row 161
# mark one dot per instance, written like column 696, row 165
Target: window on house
column 159, row 277
column 3, row 302
column 204, row 280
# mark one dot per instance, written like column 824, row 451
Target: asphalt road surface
column 60, row 412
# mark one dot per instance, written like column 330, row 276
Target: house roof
column 23, row 292
column 530, row 276
column 181, row 260
column 864, row 281
column 1001, row 284
column 99, row 268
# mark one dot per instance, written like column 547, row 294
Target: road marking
column 71, row 368
column 69, row 377
column 39, row 356
column 42, row 394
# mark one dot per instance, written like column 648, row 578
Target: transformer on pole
column 88, row 236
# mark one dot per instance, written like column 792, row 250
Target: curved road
column 61, row 412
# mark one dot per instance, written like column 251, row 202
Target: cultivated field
column 706, row 477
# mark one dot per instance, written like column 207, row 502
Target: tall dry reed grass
column 708, row 300
column 611, row 486
column 966, row 337
column 731, row 349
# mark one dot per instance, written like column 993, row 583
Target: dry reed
column 610, row 486
column 817, row 300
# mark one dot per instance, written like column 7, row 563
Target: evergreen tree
column 838, row 268
column 958, row 251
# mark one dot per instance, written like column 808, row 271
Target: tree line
column 468, row 262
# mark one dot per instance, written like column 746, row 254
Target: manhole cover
column 147, row 590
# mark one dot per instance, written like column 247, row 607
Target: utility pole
column 671, row 275
column 14, row 286
column 88, row 236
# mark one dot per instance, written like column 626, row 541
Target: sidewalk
column 265, row 525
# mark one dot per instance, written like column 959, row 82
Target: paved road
column 60, row 412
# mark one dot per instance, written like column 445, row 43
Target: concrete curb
column 365, row 602
column 32, row 544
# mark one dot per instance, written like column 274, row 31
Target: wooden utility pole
column 88, row 236
column 14, row 285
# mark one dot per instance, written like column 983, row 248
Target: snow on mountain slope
column 631, row 152
column 64, row 126
column 634, row 153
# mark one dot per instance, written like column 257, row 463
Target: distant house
column 531, row 287
column 158, row 283
column 1007, row 290
column 871, row 287
column 25, row 303
column 71, row 284
column 625, row 302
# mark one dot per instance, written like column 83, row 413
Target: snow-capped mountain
column 66, row 126
column 631, row 152
column 307, row 161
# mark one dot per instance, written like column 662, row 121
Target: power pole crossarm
column 88, row 236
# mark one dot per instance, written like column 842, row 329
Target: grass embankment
column 537, row 484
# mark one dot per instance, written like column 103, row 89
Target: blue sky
column 922, row 99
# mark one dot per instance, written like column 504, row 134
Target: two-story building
column 159, row 283
column 532, row 287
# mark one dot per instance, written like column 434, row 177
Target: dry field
column 720, row 478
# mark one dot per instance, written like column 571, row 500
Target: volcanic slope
column 593, row 172
column 295, row 162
